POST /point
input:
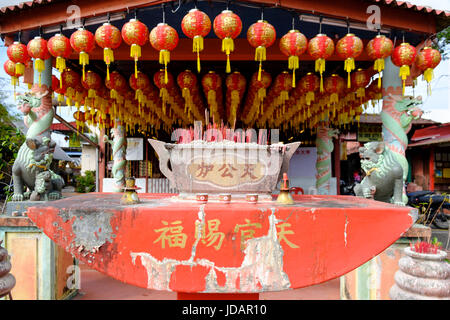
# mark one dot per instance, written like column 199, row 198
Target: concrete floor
column 97, row 286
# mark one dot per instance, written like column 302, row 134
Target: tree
column 11, row 139
column 442, row 42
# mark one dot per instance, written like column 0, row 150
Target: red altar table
column 238, row 248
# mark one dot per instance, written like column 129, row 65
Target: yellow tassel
column 403, row 74
column 135, row 52
column 227, row 45
column 379, row 66
column 309, row 97
column 260, row 55
column 20, row 68
column 228, row 67
column 108, row 57
column 197, row 46
column 60, row 64
column 91, row 93
column 349, row 65
column 164, row 58
column 334, row 98
column 84, row 60
column 293, row 64
column 39, row 65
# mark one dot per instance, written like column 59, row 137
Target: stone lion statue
column 384, row 174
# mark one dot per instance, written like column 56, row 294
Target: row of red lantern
column 257, row 92
column 188, row 84
column 227, row 25
column 212, row 87
column 236, row 85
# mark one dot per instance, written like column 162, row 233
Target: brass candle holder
column 130, row 195
column 285, row 196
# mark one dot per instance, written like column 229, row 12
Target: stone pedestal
column 41, row 268
column 373, row 280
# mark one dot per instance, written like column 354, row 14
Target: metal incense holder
column 130, row 195
column 285, row 196
column 225, row 167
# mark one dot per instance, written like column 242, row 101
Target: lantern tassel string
column 260, row 55
column 197, row 47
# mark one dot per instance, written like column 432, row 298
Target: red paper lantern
column 58, row 89
column 309, row 85
column 83, row 42
column 293, row 44
column 428, row 59
column 334, row 85
column 164, row 38
column 10, row 69
column 117, row 84
column 135, row 34
column 403, row 57
column 236, row 84
column 92, row 82
column 108, row 37
column 196, row 25
column 59, row 47
column 187, row 80
column 378, row 49
column 227, row 26
column 360, row 80
column 37, row 49
column 349, row 47
column 79, row 118
column 139, row 84
column 70, row 80
column 164, row 81
column 17, row 53
column 261, row 35
column 320, row 47
column 212, row 83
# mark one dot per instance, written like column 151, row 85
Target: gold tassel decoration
column 428, row 76
column 164, row 58
column 403, row 74
column 293, row 64
column 379, row 66
column 108, row 57
column 228, row 47
column 320, row 67
column 260, row 55
column 135, row 52
column 84, row 60
column 349, row 65
column 39, row 65
column 197, row 46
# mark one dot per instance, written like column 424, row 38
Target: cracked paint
column 261, row 268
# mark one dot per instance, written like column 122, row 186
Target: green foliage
column 85, row 183
column 10, row 141
column 443, row 41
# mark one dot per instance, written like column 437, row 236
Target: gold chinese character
column 213, row 235
column 247, row 230
column 282, row 234
column 172, row 234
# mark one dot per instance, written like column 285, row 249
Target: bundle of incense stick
column 215, row 133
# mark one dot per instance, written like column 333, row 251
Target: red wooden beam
column 355, row 10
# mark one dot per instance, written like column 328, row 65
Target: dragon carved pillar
column 324, row 144
column 397, row 114
column 119, row 147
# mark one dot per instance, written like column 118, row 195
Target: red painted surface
column 255, row 248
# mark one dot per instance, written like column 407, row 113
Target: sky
column 436, row 107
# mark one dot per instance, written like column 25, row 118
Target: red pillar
column 101, row 161
column 337, row 162
column 431, row 168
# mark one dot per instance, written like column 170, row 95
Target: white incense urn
column 223, row 167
